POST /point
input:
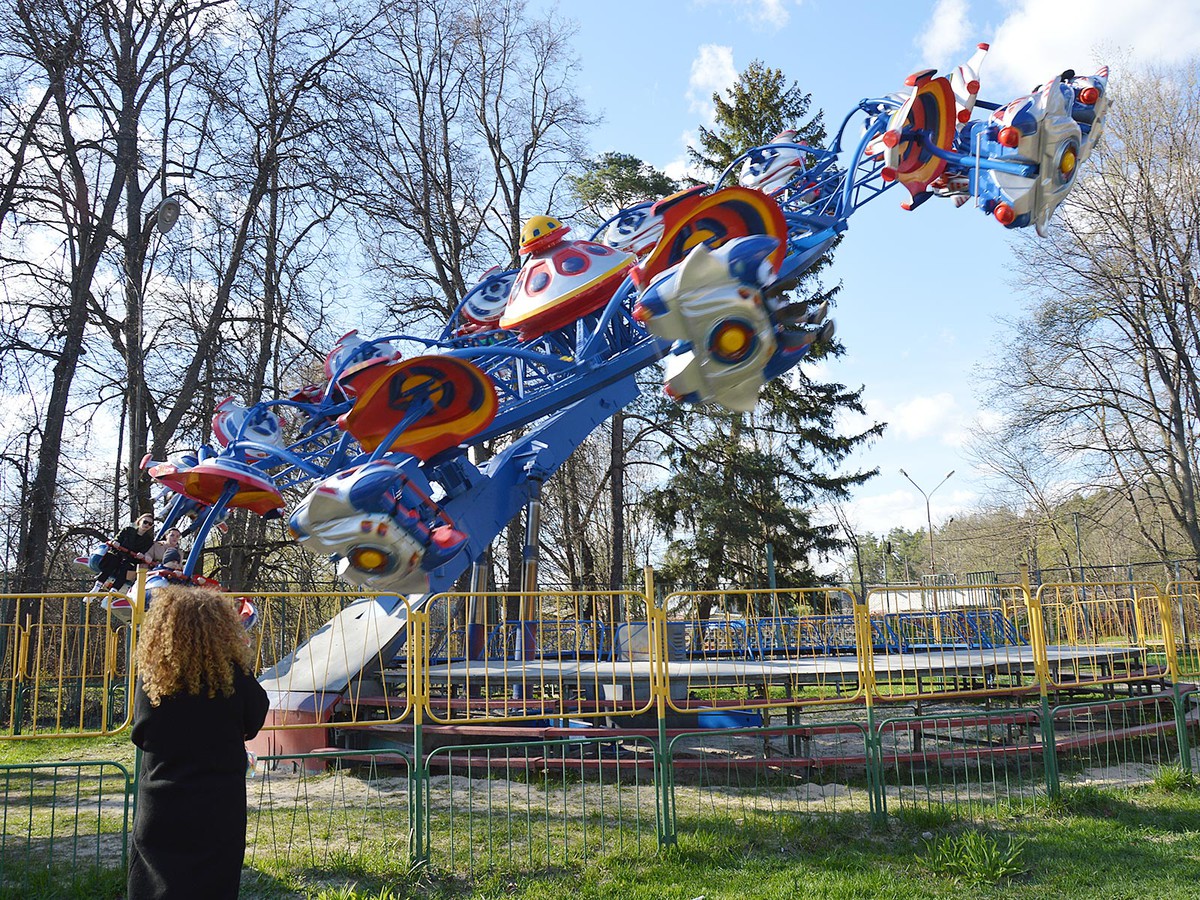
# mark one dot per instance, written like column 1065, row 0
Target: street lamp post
column 159, row 220
column 928, row 514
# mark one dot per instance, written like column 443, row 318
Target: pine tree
column 758, row 106
column 741, row 482
column 615, row 181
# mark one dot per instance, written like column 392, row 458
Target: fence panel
column 1096, row 634
column 64, row 824
column 547, row 655
column 766, row 777
column 1184, row 601
column 64, row 665
column 355, row 814
column 354, row 643
column 540, row 805
column 951, row 641
column 756, row 649
column 970, row 763
column 1118, row 743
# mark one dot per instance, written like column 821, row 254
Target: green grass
column 115, row 748
column 1140, row 847
column 1099, row 844
column 1092, row 844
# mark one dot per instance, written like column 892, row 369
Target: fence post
column 20, row 650
column 1179, row 701
column 865, row 649
column 1168, row 630
column 660, row 680
column 418, row 691
column 1041, row 669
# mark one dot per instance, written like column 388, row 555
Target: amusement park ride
column 547, row 352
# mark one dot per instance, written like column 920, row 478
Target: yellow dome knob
column 1067, row 164
column 732, row 341
column 540, row 232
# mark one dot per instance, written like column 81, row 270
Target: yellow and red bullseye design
column 691, row 218
column 463, row 403
column 1068, row 159
column 732, row 341
column 930, row 109
column 370, row 559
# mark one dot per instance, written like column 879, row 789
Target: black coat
column 189, row 833
column 115, row 564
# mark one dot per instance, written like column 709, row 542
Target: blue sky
column 923, row 292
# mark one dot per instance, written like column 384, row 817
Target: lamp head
column 167, row 214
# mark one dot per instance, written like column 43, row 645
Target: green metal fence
column 944, row 711
column 547, row 804
column 539, row 804
column 63, row 823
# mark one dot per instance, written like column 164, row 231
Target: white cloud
column 681, row 166
column 920, row 417
column 712, row 72
column 947, row 31
column 769, row 12
column 763, row 13
column 1040, row 38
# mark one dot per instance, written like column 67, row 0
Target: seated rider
column 119, row 564
column 173, row 560
column 157, row 554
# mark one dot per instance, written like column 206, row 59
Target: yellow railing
column 1183, row 618
column 535, row 656
column 758, row 649
column 348, row 650
column 1106, row 633
column 550, row 657
column 959, row 640
column 67, row 666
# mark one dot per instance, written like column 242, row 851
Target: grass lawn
column 116, row 748
column 1094, row 844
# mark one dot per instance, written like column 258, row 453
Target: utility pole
column 1079, row 556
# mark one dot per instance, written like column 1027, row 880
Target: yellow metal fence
column 549, row 658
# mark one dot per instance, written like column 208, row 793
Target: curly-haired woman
column 195, row 706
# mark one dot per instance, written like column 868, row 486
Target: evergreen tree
column 741, row 482
column 615, row 181
column 758, row 106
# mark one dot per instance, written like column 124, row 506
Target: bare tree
column 1101, row 374
column 471, row 123
column 90, row 60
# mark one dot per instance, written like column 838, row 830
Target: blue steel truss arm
column 1024, row 170
column 834, row 192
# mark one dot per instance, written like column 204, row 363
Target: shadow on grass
column 1175, row 812
column 36, row 880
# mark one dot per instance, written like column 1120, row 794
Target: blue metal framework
column 555, row 389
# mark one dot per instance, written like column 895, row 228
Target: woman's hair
column 192, row 641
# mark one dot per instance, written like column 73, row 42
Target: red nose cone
column 888, row 174
column 1089, row 95
column 445, row 536
column 1009, row 137
column 891, row 138
column 1004, row 214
